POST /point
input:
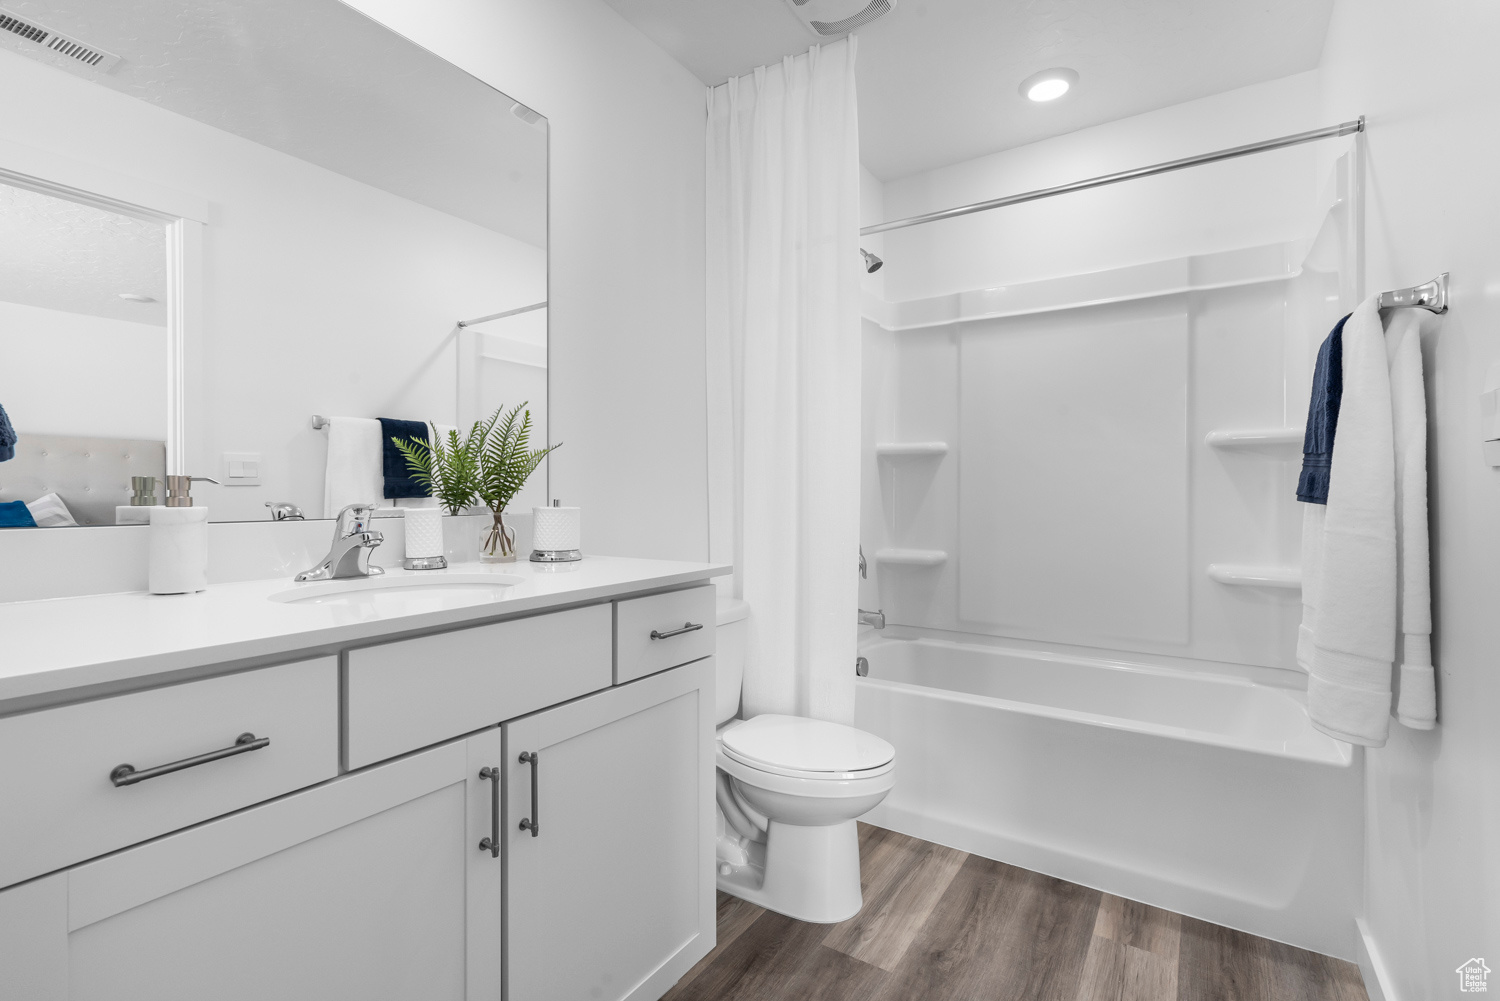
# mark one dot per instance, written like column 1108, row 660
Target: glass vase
column 498, row 543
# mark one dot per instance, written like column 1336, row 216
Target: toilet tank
column 729, row 656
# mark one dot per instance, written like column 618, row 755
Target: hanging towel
column 1416, row 705
column 396, row 473
column 354, row 471
column 7, row 437
column 1322, row 418
column 1348, row 635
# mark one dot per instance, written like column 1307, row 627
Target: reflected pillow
column 49, row 511
column 15, row 514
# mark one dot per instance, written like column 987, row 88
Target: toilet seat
column 807, row 748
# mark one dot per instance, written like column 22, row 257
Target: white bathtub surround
column 1347, row 641
column 1208, row 795
column 784, row 372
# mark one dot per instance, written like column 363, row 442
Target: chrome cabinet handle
column 127, row 775
column 491, row 844
column 687, row 627
column 533, row 822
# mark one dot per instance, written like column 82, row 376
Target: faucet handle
column 354, row 518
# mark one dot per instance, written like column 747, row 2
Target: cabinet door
column 371, row 886
column 613, row 897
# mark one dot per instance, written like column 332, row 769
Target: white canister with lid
column 556, row 534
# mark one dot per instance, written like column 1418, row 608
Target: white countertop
column 51, row 646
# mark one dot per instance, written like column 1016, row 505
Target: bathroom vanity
column 481, row 786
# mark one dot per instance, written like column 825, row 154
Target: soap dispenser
column 179, row 540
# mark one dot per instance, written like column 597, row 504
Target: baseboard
column 1371, row 966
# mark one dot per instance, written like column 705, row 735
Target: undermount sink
column 403, row 594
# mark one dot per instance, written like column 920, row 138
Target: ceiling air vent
column 28, row 30
column 827, row 18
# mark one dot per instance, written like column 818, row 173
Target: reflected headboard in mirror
column 91, row 475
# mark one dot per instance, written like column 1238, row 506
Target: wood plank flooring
column 941, row 925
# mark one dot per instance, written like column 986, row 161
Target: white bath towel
column 354, row 473
column 1416, row 705
column 1350, row 596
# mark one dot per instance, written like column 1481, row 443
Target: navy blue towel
column 15, row 514
column 1322, row 419
column 7, row 437
column 398, row 481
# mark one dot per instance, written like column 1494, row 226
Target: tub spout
column 876, row 619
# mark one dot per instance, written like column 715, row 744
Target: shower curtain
column 784, row 373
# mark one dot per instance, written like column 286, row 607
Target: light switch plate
column 240, row 469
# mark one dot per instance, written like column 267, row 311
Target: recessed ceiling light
column 136, row 297
column 1049, row 85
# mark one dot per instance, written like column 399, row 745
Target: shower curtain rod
column 1331, row 132
column 501, row 316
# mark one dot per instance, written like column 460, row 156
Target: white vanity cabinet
column 152, row 851
column 609, row 840
column 369, row 887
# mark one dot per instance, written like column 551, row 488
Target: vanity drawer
column 412, row 693
column 657, row 632
column 59, row 805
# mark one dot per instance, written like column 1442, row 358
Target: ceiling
column 60, row 254
column 938, row 79
column 324, row 83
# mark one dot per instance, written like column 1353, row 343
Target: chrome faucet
column 863, row 566
column 353, row 542
column 876, row 619
column 285, row 511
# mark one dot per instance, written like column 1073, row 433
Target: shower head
column 872, row 263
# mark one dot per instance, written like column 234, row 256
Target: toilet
column 789, row 790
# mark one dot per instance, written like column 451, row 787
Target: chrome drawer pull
column 687, row 627
column 533, row 822
column 491, row 844
column 126, row 775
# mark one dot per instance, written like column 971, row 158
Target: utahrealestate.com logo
column 1471, row 976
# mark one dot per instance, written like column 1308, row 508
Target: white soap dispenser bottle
column 179, row 540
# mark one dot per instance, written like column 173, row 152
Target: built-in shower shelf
column 1252, row 438
column 1250, row 576
column 911, row 557
column 907, row 449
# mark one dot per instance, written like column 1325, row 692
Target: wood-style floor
column 940, row 925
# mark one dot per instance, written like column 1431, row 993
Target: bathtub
column 1205, row 794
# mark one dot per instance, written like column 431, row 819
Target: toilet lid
column 808, row 745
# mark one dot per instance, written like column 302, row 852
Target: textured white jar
column 179, row 550
column 556, row 529
column 424, row 532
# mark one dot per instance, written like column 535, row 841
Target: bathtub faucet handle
column 862, row 666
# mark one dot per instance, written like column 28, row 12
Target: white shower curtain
column 784, row 373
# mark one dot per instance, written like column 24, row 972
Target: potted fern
column 506, row 461
column 489, row 465
column 450, row 472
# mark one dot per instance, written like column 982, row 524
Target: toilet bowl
column 789, row 791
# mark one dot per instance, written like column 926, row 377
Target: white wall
column 1240, row 358
column 70, row 373
column 626, row 235
column 1429, row 86
column 1256, row 200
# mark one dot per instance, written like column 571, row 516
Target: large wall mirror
column 234, row 235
